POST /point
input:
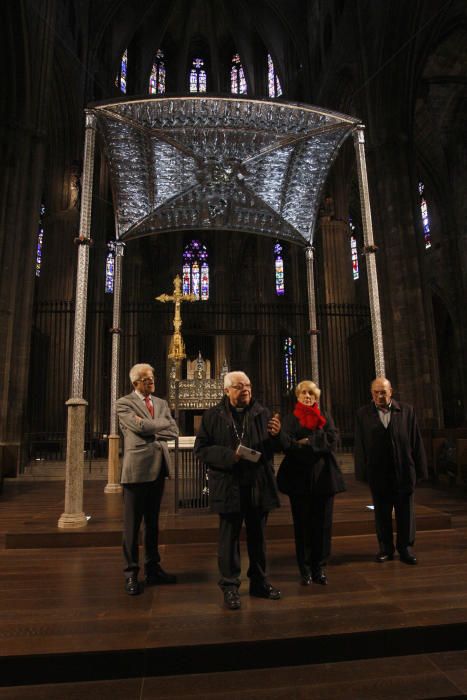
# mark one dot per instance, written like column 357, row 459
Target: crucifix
column 177, row 346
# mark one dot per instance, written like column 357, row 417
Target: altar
column 188, row 397
column 230, row 164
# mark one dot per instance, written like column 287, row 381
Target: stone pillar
column 28, row 41
column 221, row 353
column 337, row 293
column 336, row 268
column 370, row 250
column 73, row 515
column 407, row 318
column 310, row 276
column 113, row 485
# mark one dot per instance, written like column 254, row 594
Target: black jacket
column 215, row 445
column 407, row 450
column 311, row 467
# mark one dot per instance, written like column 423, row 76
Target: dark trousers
column 312, row 521
column 403, row 504
column 230, row 525
column 142, row 501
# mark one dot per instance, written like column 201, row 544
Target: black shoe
column 407, row 557
column 231, row 599
column 159, row 577
column 264, row 590
column 318, row 576
column 132, row 586
column 306, row 580
column 381, row 557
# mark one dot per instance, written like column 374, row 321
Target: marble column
column 313, row 330
column 370, row 250
column 113, row 478
column 73, row 515
column 28, row 43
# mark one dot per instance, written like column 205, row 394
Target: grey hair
column 228, row 378
column 311, row 386
column 137, row 370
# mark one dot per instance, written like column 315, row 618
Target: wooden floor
column 30, row 512
column 68, row 630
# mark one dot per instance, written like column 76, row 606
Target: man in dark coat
column 237, row 440
column 390, row 456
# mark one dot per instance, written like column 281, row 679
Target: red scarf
column 309, row 416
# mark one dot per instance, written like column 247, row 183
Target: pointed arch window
column 274, row 85
column 195, row 275
column 424, row 215
column 40, row 240
column 354, row 251
column 279, row 269
column 198, row 76
column 237, row 77
column 157, row 77
column 120, row 80
column 290, row 364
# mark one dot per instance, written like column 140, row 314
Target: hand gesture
column 274, row 425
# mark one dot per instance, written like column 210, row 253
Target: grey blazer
column 145, row 444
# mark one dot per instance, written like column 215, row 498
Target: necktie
column 149, row 405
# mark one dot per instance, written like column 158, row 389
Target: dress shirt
column 143, row 398
column 384, row 415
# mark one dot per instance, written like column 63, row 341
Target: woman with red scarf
column 310, row 476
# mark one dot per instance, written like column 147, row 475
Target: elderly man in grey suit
column 146, row 424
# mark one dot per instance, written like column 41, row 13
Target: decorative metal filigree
column 230, row 163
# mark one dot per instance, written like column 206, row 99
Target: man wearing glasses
column 146, row 424
column 236, row 440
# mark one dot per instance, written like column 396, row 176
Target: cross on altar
column 177, row 346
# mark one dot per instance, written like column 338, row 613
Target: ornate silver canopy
column 218, row 163
column 206, row 162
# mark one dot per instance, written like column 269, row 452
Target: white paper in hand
column 248, row 454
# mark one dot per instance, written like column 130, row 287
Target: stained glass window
column 40, row 240
column 274, row 85
column 290, row 368
column 424, row 214
column 279, row 269
column 120, row 80
column 157, row 77
column 204, row 281
column 237, row 77
column 195, row 274
column 198, row 78
column 354, row 251
column 110, row 269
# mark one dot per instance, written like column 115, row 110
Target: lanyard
column 239, row 437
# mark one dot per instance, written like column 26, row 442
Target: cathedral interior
column 399, row 69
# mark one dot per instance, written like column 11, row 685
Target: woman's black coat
column 311, row 467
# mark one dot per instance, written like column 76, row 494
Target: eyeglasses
column 239, row 387
column 147, row 380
